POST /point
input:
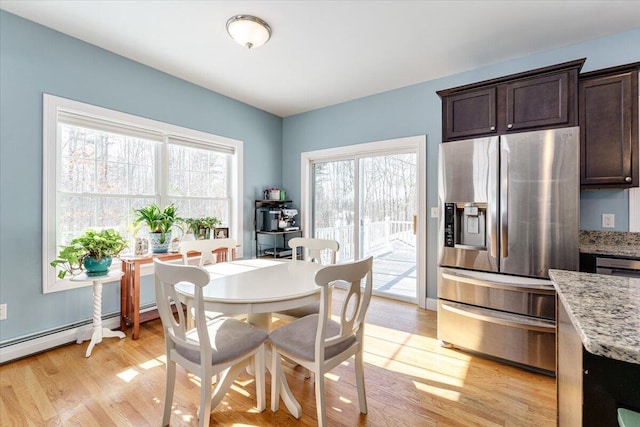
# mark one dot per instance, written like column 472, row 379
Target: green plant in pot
column 201, row 226
column 159, row 222
column 91, row 251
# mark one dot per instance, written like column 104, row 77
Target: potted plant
column 201, row 226
column 159, row 222
column 92, row 250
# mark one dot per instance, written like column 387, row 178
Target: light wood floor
column 410, row 380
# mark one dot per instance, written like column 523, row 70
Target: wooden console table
column 130, row 288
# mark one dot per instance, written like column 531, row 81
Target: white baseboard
column 28, row 347
column 432, row 304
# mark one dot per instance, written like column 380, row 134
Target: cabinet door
column 469, row 113
column 538, row 102
column 608, row 131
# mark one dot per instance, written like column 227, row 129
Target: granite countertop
column 613, row 243
column 605, row 310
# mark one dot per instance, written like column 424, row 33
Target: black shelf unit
column 272, row 244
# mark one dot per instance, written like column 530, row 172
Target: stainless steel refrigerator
column 509, row 211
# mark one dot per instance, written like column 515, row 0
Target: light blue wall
column 594, row 203
column 36, row 60
column 416, row 110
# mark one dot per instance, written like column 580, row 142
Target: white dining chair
column 210, row 254
column 219, row 346
column 321, row 251
column 319, row 343
column 207, row 249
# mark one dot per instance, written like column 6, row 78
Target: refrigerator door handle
column 504, row 202
column 492, row 223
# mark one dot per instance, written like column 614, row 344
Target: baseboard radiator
column 18, row 348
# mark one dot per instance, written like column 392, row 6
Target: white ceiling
column 326, row 52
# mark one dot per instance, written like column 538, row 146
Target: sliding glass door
column 368, row 202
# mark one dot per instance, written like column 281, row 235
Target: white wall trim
column 47, row 342
column 634, row 196
column 52, row 105
column 414, row 143
column 634, row 209
column 432, row 304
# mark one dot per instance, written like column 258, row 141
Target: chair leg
column 362, row 395
column 276, row 369
column 168, row 392
column 259, row 364
column 320, row 400
column 204, row 413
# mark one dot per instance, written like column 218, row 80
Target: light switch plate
column 434, row 212
column 3, row 311
column 608, row 221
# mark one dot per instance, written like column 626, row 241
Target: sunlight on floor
column 405, row 354
column 438, row 391
column 128, row 375
column 240, row 390
column 153, row 363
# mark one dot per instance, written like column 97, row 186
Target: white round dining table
column 257, row 287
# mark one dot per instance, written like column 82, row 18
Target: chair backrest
column 174, row 325
column 206, row 248
column 353, row 307
column 322, row 251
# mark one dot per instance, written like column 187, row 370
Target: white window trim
column 634, row 196
column 634, row 210
column 413, row 143
column 51, row 106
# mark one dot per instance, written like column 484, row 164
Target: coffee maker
column 287, row 219
column 271, row 220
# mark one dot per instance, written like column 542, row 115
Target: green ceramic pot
column 96, row 268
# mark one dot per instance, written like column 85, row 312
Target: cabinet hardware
column 627, row 179
column 509, row 126
column 492, row 128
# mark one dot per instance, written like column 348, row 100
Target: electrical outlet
column 434, row 212
column 3, row 311
column 608, row 221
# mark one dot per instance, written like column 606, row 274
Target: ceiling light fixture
column 248, row 30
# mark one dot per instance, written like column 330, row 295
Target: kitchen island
column 598, row 347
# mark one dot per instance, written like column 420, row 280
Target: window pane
column 203, row 207
column 141, row 179
column 333, row 204
column 197, row 172
column 97, row 163
column 77, row 175
column 75, row 214
column 110, row 178
column 198, row 182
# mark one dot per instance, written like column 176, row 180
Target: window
column 101, row 164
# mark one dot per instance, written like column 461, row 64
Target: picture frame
column 221, row 232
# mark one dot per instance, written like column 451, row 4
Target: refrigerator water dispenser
column 465, row 225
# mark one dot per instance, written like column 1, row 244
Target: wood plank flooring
column 410, row 380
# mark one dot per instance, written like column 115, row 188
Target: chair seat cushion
column 298, row 338
column 230, row 338
column 305, row 310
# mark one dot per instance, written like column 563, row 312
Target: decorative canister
column 274, row 194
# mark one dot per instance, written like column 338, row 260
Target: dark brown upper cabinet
column 609, row 127
column 470, row 113
column 537, row 99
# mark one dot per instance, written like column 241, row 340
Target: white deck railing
column 377, row 237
